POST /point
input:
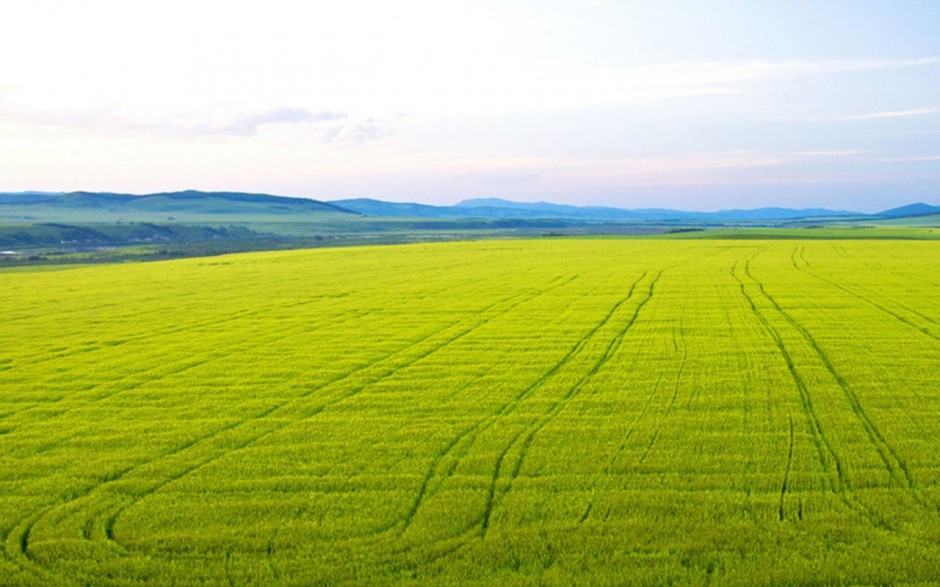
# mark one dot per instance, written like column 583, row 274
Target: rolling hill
column 192, row 201
column 917, row 209
column 26, row 197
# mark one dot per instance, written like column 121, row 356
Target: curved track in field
column 500, row 484
column 461, row 444
column 893, row 463
column 669, row 379
column 18, row 539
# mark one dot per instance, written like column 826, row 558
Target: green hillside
column 186, row 206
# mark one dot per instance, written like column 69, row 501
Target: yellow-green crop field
column 505, row 412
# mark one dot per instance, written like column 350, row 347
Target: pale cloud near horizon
column 888, row 114
column 625, row 170
column 844, row 153
column 323, row 126
column 248, row 124
column 551, row 90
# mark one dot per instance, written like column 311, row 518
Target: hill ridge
column 503, row 209
column 915, row 209
column 224, row 202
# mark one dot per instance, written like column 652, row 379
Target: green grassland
column 897, row 231
column 196, row 236
column 553, row 411
column 927, row 220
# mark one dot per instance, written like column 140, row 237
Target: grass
column 826, row 232
column 928, row 220
column 120, row 241
column 595, row 411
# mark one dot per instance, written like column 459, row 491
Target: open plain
column 554, row 411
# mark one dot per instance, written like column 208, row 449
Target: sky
column 697, row 105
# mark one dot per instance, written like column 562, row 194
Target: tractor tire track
column 434, row 470
column 613, row 458
column 481, row 318
column 17, row 541
column 109, row 524
column 435, row 347
column 809, row 269
column 335, row 320
column 892, row 460
column 875, row 304
column 16, row 547
column 495, row 495
column 675, row 389
column 784, row 487
column 825, row 453
column 187, row 363
column 468, row 437
column 181, row 327
column 99, row 392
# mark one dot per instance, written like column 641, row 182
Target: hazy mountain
column 26, row 197
column 543, row 208
column 371, row 207
column 515, row 210
column 918, row 209
column 779, row 213
column 498, row 208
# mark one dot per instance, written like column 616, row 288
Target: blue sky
column 696, row 105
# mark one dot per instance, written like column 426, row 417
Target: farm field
column 609, row 411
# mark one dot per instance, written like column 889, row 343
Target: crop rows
column 554, row 411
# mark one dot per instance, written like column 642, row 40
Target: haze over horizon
column 690, row 105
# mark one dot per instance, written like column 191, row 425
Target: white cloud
column 846, row 153
column 248, row 124
column 511, row 88
column 889, row 114
column 356, row 134
column 323, row 126
column 498, row 178
column 624, row 170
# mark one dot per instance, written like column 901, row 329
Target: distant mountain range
column 498, row 208
column 918, row 209
column 644, row 214
column 27, row 197
column 235, row 203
